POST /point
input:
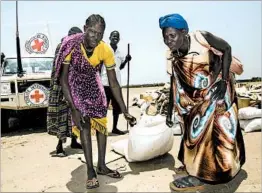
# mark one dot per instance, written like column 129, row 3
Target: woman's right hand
column 77, row 118
column 131, row 120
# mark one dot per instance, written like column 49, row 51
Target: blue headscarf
column 173, row 20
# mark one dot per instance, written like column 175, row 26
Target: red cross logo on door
column 38, row 45
column 37, row 96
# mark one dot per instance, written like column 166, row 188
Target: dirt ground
column 28, row 164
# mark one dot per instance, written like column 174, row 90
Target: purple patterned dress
column 84, row 80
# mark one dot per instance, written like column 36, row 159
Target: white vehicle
column 25, row 78
column 25, row 99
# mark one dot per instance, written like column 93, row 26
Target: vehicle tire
column 4, row 120
column 39, row 117
column 42, row 117
column 13, row 123
column 9, row 122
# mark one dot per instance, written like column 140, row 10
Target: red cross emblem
column 38, row 45
column 37, row 96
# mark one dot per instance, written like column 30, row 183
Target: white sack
column 150, row 121
column 254, row 125
column 121, row 147
column 249, row 113
column 145, row 143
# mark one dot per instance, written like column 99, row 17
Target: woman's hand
column 169, row 122
column 220, row 89
column 78, row 119
column 131, row 120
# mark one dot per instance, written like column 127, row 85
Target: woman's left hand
column 220, row 89
column 128, row 58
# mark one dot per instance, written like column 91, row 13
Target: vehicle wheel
column 4, row 120
column 9, row 122
column 40, row 117
column 13, row 123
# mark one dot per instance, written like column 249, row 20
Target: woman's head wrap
column 173, row 20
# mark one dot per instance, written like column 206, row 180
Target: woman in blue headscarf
column 212, row 147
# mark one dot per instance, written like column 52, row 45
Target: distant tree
column 256, row 79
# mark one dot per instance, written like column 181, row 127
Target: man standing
column 120, row 64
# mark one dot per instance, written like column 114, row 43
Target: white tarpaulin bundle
column 253, row 92
column 158, row 99
column 150, row 138
column 153, row 105
column 250, row 119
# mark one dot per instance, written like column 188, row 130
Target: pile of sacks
column 155, row 103
column 253, row 92
column 158, row 100
column 250, row 119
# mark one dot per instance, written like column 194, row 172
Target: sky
column 237, row 22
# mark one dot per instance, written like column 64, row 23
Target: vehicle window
column 30, row 65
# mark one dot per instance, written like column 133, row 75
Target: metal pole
column 128, row 73
column 18, row 50
column 49, row 37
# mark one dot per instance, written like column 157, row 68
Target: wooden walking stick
column 127, row 89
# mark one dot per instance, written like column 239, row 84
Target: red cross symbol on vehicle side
column 37, row 96
column 38, row 45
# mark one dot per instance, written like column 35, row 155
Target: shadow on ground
column 165, row 161
column 23, row 131
column 229, row 187
column 113, row 134
column 77, row 182
column 69, row 151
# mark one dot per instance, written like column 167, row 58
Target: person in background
column 120, row 65
column 2, row 58
column 58, row 112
